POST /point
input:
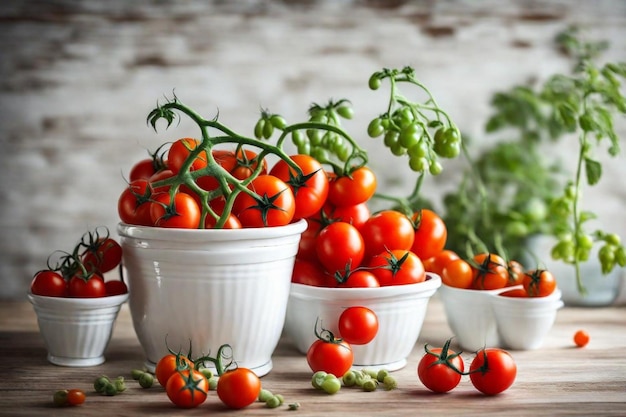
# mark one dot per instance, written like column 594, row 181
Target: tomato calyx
column 192, row 382
column 326, row 335
column 486, row 267
column 393, row 263
column 535, row 280
column 444, row 357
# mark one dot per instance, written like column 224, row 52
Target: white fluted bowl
column 76, row 331
column 400, row 309
column 209, row 288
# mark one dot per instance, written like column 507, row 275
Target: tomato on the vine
column 492, row 371
column 397, row 267
column 49, row 283
column 187, row 389
column 246, row 161
column 143, row 169
column 238, row 388
column 133, row 206
column 516, row 273
column 358, row 325
column 356, row 188
column 387, row 230
column 102, row 256
column 180, row 150
column 183, row 212
column 340, row 246
column 360, row 278
column 310, row 188
column 169, row 364
column 430, row 234
column 274, row 206
column 331, row 355
column 90, row 287
column 539, row 283
column 440, row 369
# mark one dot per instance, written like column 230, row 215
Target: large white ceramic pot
column 209, row 288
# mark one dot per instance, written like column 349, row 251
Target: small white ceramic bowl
column 400, row 309
column 76, row 331
column 210, row 287
column 523, row 323
column 483, row 318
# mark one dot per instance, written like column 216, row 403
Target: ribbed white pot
column 210, row 287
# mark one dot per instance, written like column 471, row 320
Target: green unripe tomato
column 60, row 397
column 268, row 129
column 410, row 135
column 435, row 167
column 345, row 111
column 374, row 81
column 375, row 128
column 418, row 164
column 613, row 239
column 146, row 380
column 258, row 128
column 391, row 138
column 419, row 150
column 278, row 121
column 317, row 379
column 331, row 384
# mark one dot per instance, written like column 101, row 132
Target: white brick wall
column 77, row 80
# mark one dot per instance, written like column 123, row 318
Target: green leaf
column 567, row 116
column 593, row 170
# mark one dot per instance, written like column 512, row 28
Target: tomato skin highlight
column 492, row 371
column 49, row 283
column 238, row 388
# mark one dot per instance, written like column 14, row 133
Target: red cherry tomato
column 48, row 283
column 356, row 188
column 397, row 267
column 387, row 230
column 339, row 246
column 86, row 288
column 238, row 388
column 358, row 325
column 430, row 234
column 492, row 371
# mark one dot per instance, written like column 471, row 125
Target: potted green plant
column 513, row 193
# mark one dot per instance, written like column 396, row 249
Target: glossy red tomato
column 48, row 283
column 458, row 273
column 182, row 213
column 187, row 389
column 360, row 279
column 169, row 364
column 274, row 204
column 440, row 369
column 308, row 273
column 115, row 287
column 490, row 272
column 436, row 263
column 308, row 239
column 358, row 325
column 539, row 283
column 133, row 206
column 356, row 188
column 310, row 188
column 340, row 247
column 144, row 169
column 516, row 273
column 397, row 267
column 492, row 371
column 387, row 230
column 356, row 215
column 181, row 150
column 102, row 256
column 246, row 163
column 238, row 388
column 86, row 287
column 155, row 181
column 331, row 356
column 430, row 234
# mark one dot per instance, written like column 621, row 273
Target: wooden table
column 558, row 379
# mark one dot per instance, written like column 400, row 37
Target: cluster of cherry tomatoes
column 265, row 197
column 489, row 271
column 187, row 383
column 80, row 273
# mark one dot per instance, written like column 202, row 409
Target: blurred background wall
column 78, row 78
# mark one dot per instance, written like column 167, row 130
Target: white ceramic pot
column 400, row 309
column 481, row 318
column 76, row 331
column 209, row 288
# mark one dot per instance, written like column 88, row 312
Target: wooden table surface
column 558, row 379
